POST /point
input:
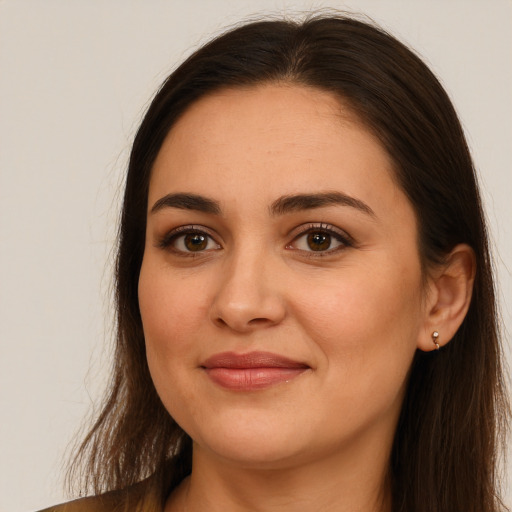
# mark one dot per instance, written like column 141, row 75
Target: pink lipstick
column 251, row 371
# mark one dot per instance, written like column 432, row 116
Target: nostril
column 257, row 321
column 246, row 311
column 221, row 322
column 243, row 325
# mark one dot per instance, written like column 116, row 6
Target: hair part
column 444, row 456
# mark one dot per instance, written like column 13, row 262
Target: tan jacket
column 137, row 498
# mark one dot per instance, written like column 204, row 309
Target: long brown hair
column 444, row 457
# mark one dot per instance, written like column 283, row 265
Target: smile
column 252, row 371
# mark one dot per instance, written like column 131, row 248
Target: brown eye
column 318, row 241
column 321, row 239
column 195, row 242
column 189, row 241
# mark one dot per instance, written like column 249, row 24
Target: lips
column 251, row 371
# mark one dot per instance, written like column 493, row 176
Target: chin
column 253, row 454
column 258, row 444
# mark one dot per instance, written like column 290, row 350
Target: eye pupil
column 195, row 242
column 319, row 241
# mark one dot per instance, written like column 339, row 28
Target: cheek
column 366, row 322
column 362, row 303
column 170, row 314
column 170, row 317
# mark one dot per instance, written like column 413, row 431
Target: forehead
column 239, row 141
column 286, row 117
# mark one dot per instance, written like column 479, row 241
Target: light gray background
column 75, row 78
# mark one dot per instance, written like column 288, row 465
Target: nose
column 248, row 296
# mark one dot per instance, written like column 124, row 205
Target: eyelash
column 343, row 238
column 327, row 229
column 170, row 238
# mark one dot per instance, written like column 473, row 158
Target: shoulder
column 127, row 500
column 101, row 503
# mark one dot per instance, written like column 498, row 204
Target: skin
column 353, row 314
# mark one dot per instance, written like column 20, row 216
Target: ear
column 450, row 287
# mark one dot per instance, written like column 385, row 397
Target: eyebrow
column 282, row 206
column 187, row 202
column 298, row 202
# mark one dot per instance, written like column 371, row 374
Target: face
column 281, row 290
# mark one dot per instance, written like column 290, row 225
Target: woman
column 306, row 316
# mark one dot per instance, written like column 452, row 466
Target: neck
column 332, row 484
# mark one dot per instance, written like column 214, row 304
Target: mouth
column 251, row 371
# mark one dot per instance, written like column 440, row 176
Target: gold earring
column 435, row 335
